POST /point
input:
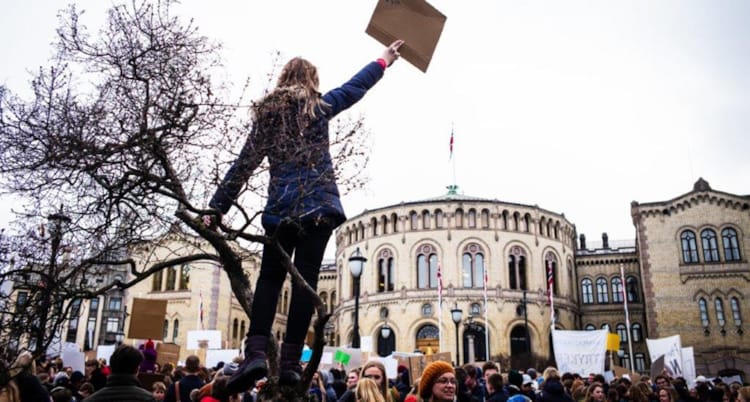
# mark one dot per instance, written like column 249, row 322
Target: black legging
column 308, row 245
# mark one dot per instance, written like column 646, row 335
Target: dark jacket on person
column 348, row 396
column 98, row 379
column 302, row 184
column 121, row 388
column 499, row 395
column 187, row 384
column 30, row 388
column 553, row 391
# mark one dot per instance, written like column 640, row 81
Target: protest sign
column 671, row 348
column 581, row 352
column 147, row 319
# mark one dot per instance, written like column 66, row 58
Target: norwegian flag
column 200, row 312
column 451, row 146
column 550, row 281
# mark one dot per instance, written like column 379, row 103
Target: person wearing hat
column 515, row 382
column 438, row 382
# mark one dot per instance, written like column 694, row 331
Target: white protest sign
column 104, row 352
column 581, row 352
column 366, row 343
column 214, row 356
column 688, row 364
column 671, row 348
column 74, row 359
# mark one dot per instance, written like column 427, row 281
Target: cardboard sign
column 147, row 319
column 415, row 21
column 167, row 353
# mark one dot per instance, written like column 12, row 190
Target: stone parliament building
column 686, row 272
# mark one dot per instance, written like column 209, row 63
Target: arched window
column 394, row 223
column 485, row 218
column 505, row 220
column 164, row 331
column 602, row 296
column 710, row 246
column 428, row 338
column 689, row 248
column 519, row 340
column 386, row 271
column 425, row 219
column 324, row 299
column 589, row 327
column 185, row 277
column 719, row 305
column 374, row 227
column 439, row 218
column 348, row 236
column 557, row 230
column 175, row 330
column 517, row 268
column 235, row 329
column 384, row 224
column 636, row 332
column 459, row 218
column 587, row 291
column 473, row 266
column 622, row 331
column 475, row 309
column 171, row 277
column 242, row 327
column 551, row 272
column 527, row 223
column 332, row 301
column 731, row 245
column 617, row 290
column 632, row 289
column 361, row 231
column 156, row 281
column 703, row 308
column 640, row 362
column 413, row 220
column 734, row 303
column 427, row 267
column 472, row 218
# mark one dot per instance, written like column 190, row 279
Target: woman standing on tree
column 290, row 128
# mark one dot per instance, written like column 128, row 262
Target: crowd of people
column 126, row 378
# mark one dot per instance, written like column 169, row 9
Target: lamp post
column 57, row 221
column 356, row 266
column 456, row 314
column 119, row 337
column 524, row 303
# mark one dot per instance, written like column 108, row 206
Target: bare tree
column 129, row 131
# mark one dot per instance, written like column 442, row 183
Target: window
column 184, row 277
column 425, row 219
column 413, row 220
column 622, row 331
column 426, row 310
column 324, row 300
column 439, row 217
column 175, row 330
column 734, row 303
column 731, row 245
column 710, row 247
column 394, row 223
column 386, row 271
column 459, row 218
column 94, row 306
column 703, row 308
column 475, row 309
column 115, row 303
column 156, row 282
column 617, row 290
column 587, row 291
column 384, row 224
column 505, row 220
column 374, row 227
column 171, row 278
column 235, row 329
column 73, row 321
column 427, row 267
column 21, row 300
column 473, row 267
column 602, row 295
column 113, row 324
column 485, row 218
column 719, row 305
column 165, row 331
column 517, row 268
column 625, row 361
column 632, row 289
column 589, row 327
column 640, row 362
column 636, row 332
column 551, row 272
column 472, row 216
column 689, row 249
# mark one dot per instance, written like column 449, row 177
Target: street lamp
column 356, row 266
column 456, row 314
column 119, row 337
column 385, row 331
column 523, row 306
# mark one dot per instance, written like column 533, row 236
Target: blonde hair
column 302, row 75
column 368, row 391
column 384, row 385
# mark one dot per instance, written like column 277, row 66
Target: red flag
column 440, row 283
column 451, row 146
column 550, row 281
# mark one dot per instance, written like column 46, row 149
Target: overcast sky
column 579, row 107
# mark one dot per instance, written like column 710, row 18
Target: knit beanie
column 431, row 373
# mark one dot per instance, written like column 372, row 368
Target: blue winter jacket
column 302, row 185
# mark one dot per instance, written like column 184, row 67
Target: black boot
column 253, row 368
column 291, row 370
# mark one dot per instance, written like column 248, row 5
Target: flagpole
column 627, row 316
column 486, row 320
column 440, row 306
column 550, row 283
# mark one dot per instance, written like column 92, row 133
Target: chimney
column 605, row 240
column 582, row 240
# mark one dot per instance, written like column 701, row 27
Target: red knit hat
column 431, row 373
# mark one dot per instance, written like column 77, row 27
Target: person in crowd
column 438, row 382
column 613, row 395
column 30, row 387
column 316, row 387
column 122, row 384
column 667, row 394
column 515, row 382
column 159, row 390
column 190, row 381
column 527, row 386
column 61, row 394
column 743, row 394
column 553, row 389
column 662, row 381
column 578, row 390
column 647, row 390
column 403, row 382
column 328, row 379
column 149, row 358
column 368, row 391
column 495, row 391
column 375, row 371
column 595, row 393
column 290, row 128
column 636, row 394
column 352, row 378
column 94, row 374
column 413, row 395
column 85, row 390
column 472, row 390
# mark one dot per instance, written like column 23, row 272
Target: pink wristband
column 382, row 63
